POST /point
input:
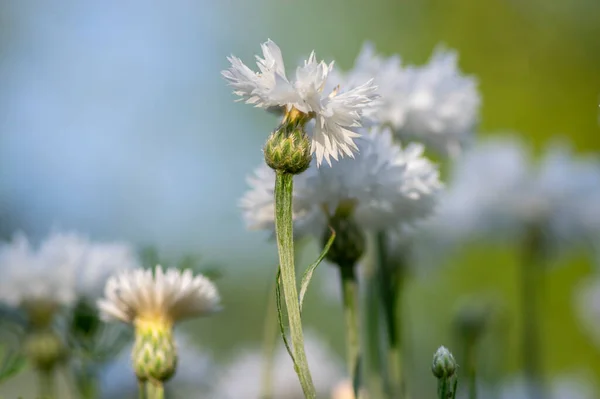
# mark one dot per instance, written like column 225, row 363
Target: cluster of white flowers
column 335, row 112
column 66, row 266
column 385, row 184
column 242, row 377
column 498, row 191
column 434, row 104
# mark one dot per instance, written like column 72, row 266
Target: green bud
column 472, row 318
column 154, row 354
column 288, row 151
column 85, row 321
column 45, row 349
column 350, row 242
column 444, row 365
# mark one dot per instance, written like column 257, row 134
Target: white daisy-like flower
column 434, row 104
column 163, row 296
column 385, row 185
column 497, row 191
column 336, row 113
column 194, row 372
column 66, row 266
column 44, row 277
column 243, row 376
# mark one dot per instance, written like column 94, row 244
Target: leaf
column 310, row 270
column 280, row 316
column 12, row 363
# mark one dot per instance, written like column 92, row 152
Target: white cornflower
column 153, row 303
column 384, row 185
column 335, row 113
column 139, row 296
column 434, row 104
column 495, row 190
column 64, row 267
column 116, row 379
column 243, row 377
column 34, row 277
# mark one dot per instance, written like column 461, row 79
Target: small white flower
column 434, row 104
column 243, row 377
column 335, row 113
column 385, row 184
column 165, row 297
column 497, row 191
column 46, row 276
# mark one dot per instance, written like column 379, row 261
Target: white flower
column 496, row 190
column 385, row 184
column 117, row 380
column 242, row 378
column 336, row 114
column 46, row 276
column 434, row 104
column 167, row 297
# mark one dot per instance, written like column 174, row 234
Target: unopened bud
column 45, row 349
column 288, row 151
column 349, row 244
column 444, row 365
column 154, row 353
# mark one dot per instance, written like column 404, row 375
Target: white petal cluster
column 434, row 104
column 243, row 376
column 336, row 113
column 194, row 371
column 169, row 295
column 29, row 275
column 497, row 190
column 386, row 184
column 64, row 267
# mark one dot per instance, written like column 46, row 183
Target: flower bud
column 349, row 244
column 45, row 349
column 154, row 353
column 444, row 365
column 288, row 151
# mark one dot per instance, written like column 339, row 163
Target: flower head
column 385, row 185
column 139, row 296
column 434, row 104
column 335, row 113
column 497, row 191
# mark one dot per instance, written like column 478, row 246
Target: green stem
column 350, row 303
column 530, row 284
column 141, row 389
column 391, row 284
column 471, row 367
column 269, row 345
column 285, row 245
column 47, row 388
column 156, row 390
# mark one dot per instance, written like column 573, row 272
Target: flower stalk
column 285, row 245
column 350, row 303
column 444, row 369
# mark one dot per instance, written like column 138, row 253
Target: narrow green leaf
column 12, row 364
column 280, row 316
column 310, row 270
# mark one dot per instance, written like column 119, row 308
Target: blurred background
column 115, row 122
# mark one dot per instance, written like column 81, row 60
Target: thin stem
column 269, row 345
column 141, row 389
column 530, row 284
column 350, row 303
column 285, row 245
column 471, row 367
column 46, row 381
column 156, row 390
column 391, row 284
